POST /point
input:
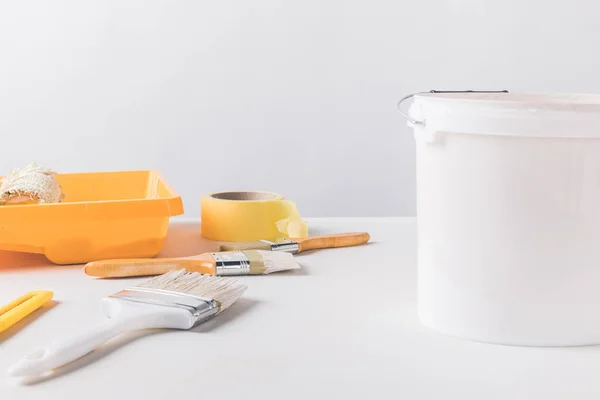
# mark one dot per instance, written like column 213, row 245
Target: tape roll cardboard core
column 244, row 196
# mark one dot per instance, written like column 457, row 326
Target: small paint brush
column 250, row 262
column 299, row 245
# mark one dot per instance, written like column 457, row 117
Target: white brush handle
column 61, row 352
column 64, row 351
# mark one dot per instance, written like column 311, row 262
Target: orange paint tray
column 103, row 215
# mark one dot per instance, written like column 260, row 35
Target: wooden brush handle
column 330, row 241
column 146, row 266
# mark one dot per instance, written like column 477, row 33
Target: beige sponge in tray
column 32, row 184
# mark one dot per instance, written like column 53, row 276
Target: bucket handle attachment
column 417, row 122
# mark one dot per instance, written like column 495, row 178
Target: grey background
column 293, row 97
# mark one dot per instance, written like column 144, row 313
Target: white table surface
column 342, row 327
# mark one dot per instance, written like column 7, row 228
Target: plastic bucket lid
column 510, row 114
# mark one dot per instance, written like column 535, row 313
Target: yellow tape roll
column 248, row 216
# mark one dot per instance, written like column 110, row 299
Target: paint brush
column 250, row 262
column 295, row 246
column 176, row 300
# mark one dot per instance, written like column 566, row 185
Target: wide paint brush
column 176, row 300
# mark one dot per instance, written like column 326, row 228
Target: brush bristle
column 267, row 262
column 239, row 246
column 224, row 290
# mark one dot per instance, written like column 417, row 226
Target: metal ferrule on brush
column 201, row 308
column 231, row 263
column 288, row 246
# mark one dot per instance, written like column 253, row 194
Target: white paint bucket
column 508, row 205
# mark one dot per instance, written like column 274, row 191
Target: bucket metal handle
column 417, row 122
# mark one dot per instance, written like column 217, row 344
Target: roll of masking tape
column 249, row 216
